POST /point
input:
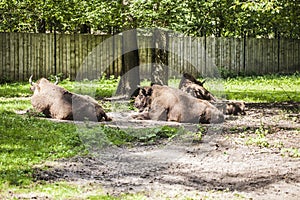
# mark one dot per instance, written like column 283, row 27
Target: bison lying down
column 169, row 104
column 195, row 88
column 56, row 102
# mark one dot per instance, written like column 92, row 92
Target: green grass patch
column 98, row 88
column 260, row 138
column 95, row 137
column 15, row 90
column 272, row 88
column 291, row 152
column 57, row 190
column 25, row 141
column 268, row 88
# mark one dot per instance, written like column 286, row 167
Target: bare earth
column 221, row 166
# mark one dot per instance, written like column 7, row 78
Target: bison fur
column 170, row 104
column 58, row 103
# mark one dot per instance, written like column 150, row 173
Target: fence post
column 244, row 52
column 54, row 53
column 278, row 52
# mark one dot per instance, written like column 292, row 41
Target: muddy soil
column 227, row 164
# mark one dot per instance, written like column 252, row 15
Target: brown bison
column 56, row 102
column 195, row 88
column 235, row 108
column 169, row 104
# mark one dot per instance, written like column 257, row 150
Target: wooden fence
column 80, row 56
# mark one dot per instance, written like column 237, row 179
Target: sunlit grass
column 57, row 190
column 271, row 88
column 264, row 88
column 25, row 141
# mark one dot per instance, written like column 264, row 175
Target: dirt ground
column 224, row 165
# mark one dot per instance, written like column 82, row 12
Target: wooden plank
column 275, row 55
column 5, row 56
column 239, row 55
column 95, row 70
column 96, row 57
column 32, row 65
column 193, row 60
column 50, row 54
column 72, row 62
column 84, row 56
column 226, row 55
column 68, row 69
column 249, row 56
column 77, row 41
column 100, row 55
column 64, row 44
column 282, row 56
column 31, row 56
column 26, row 56
column 42, row 63
column 297, row 56
column 232, row 55
column 290, row 56
column 21, row 57
column 80, row 60
column 11, row 57
column 1, row 56
column 58, row 51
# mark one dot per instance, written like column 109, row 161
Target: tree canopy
column 234, row 18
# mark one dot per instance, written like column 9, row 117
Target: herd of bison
column 221, row 166
column 191, row 103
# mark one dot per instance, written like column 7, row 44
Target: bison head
column 195, row 88
column 143, row 99
column 35, row 86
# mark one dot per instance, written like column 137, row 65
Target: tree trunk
column 130, row 76
column 159, row 69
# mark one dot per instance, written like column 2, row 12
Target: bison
column 56, row 102
column 235, row 108
column 195, row 88
column 164, row 103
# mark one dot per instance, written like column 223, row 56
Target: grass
column 26, row 141
column 272, row 88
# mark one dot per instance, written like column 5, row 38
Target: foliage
column 260, row 18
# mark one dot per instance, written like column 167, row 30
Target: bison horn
column 56, row 80
column 30, row 80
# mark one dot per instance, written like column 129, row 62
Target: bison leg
column 141, row 116
column 158, row 113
